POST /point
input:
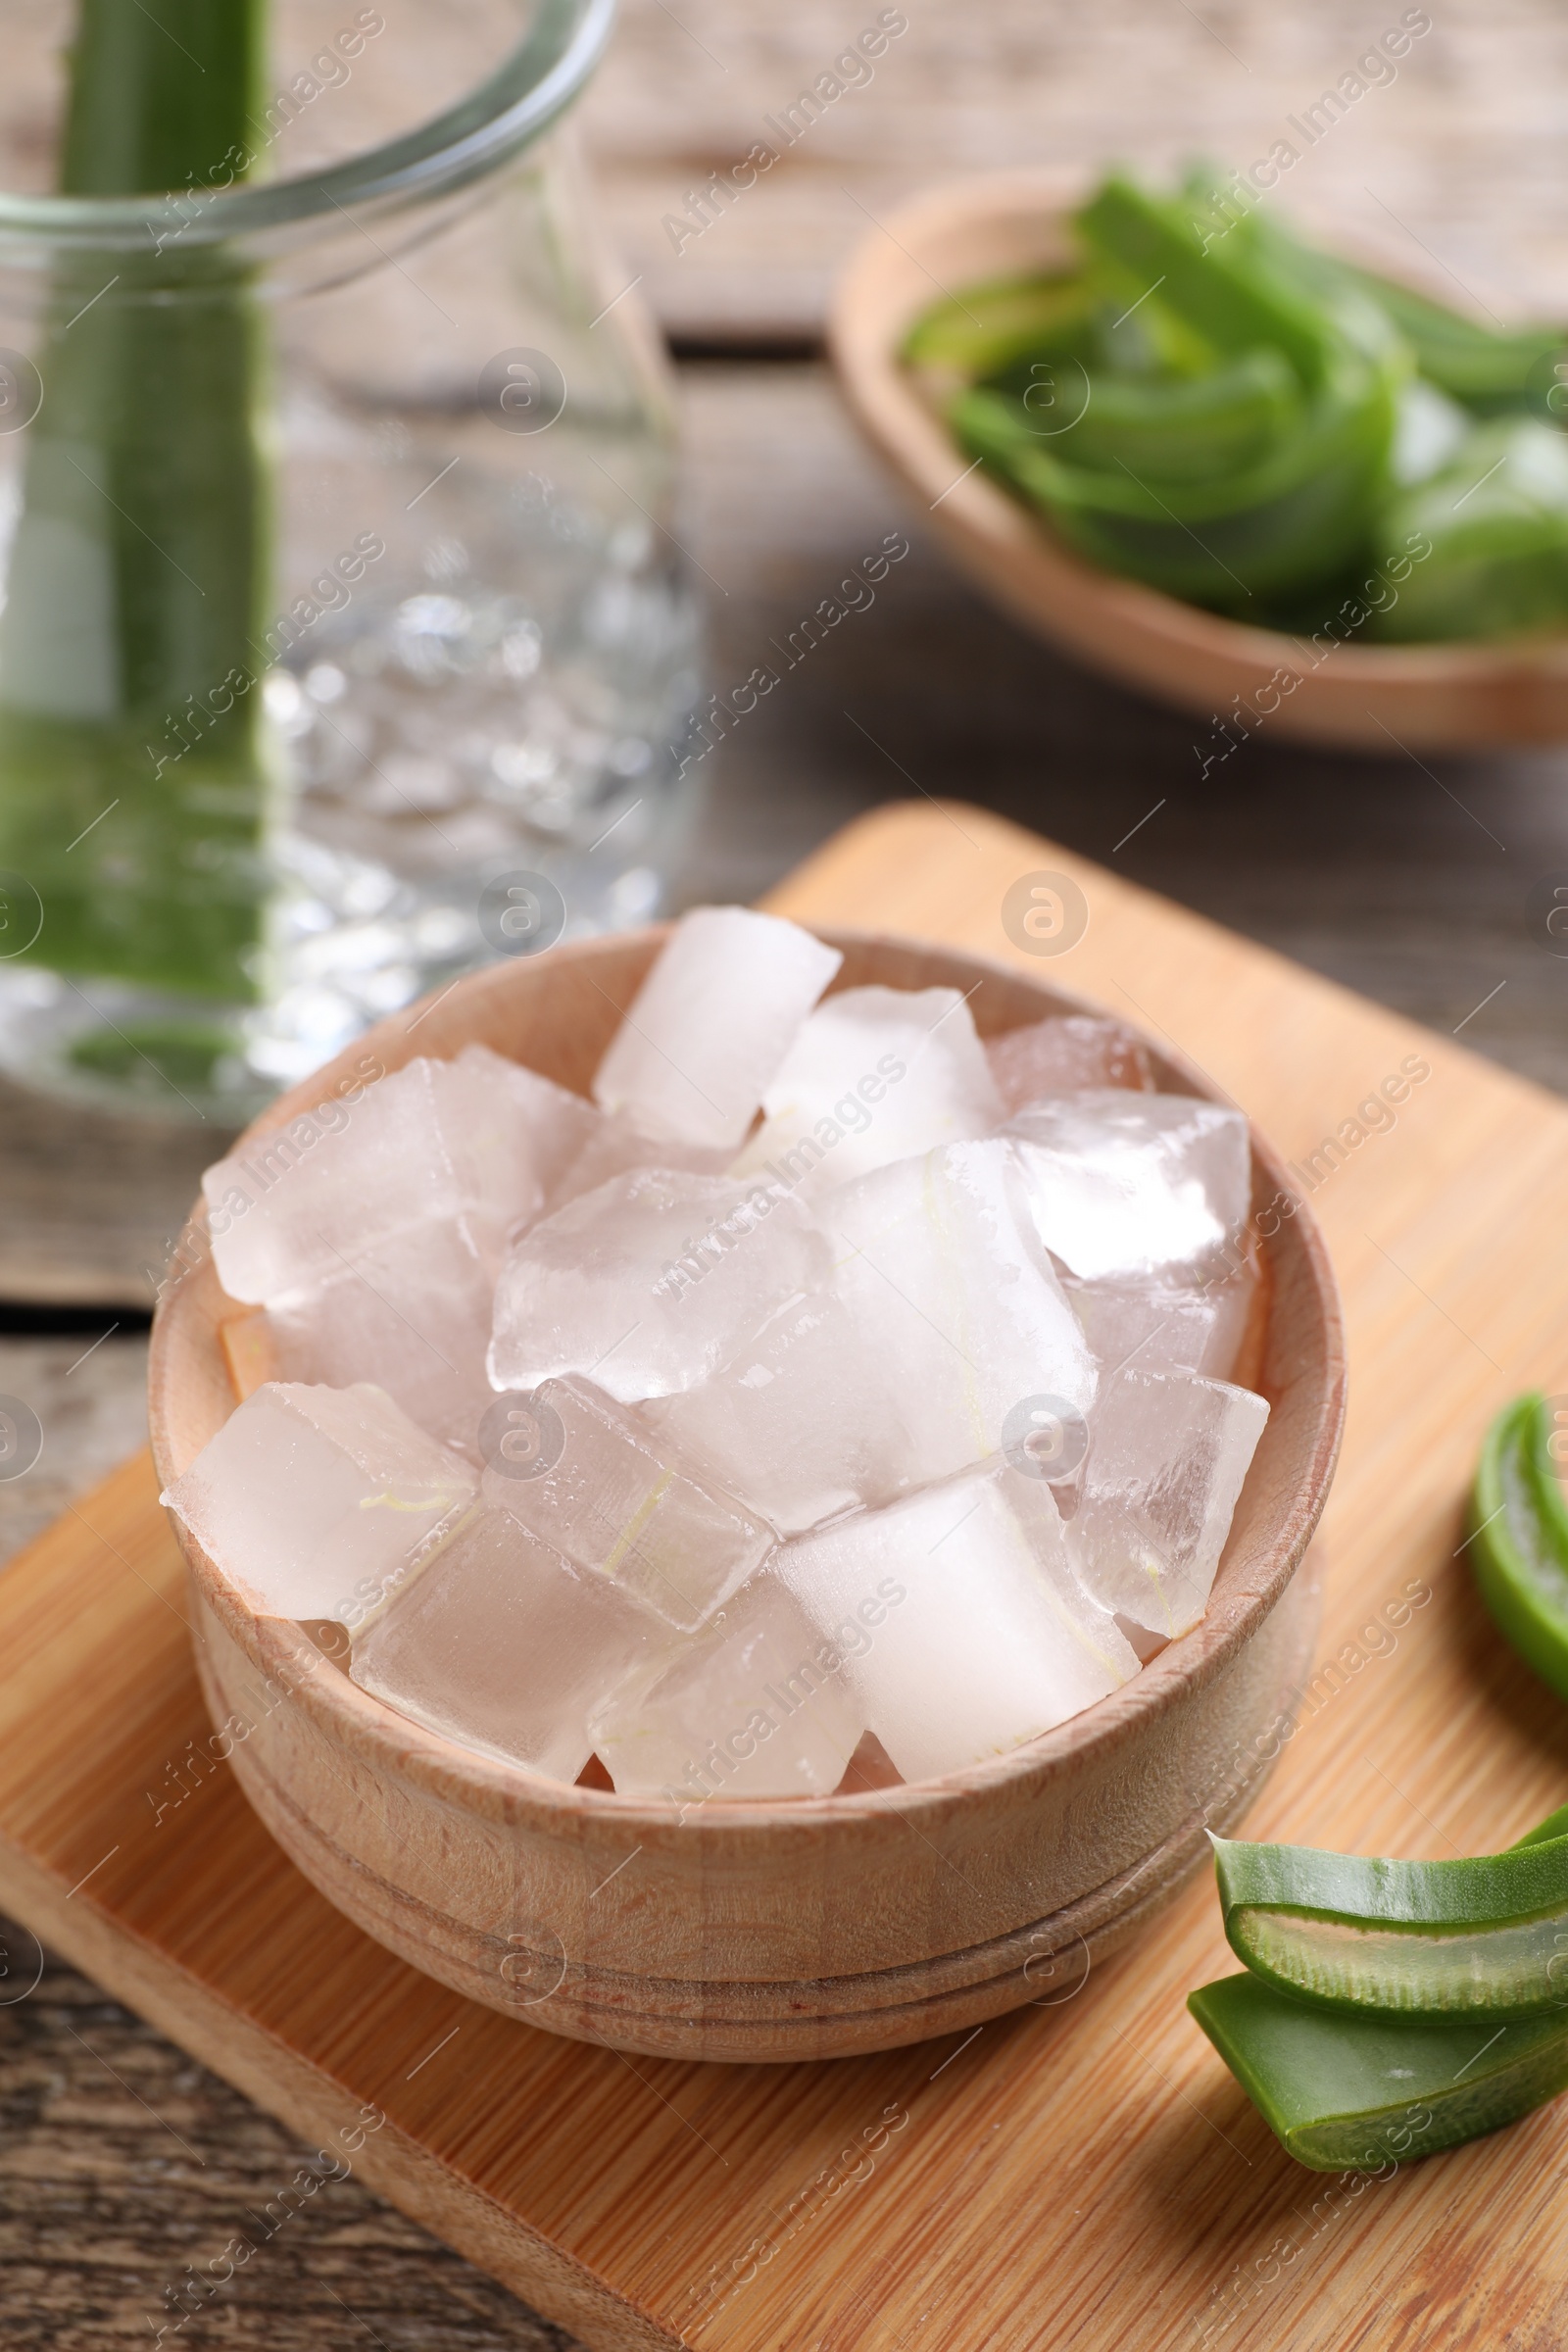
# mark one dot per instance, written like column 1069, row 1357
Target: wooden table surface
column 1407, row 881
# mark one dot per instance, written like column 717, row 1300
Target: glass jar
column 346, row 642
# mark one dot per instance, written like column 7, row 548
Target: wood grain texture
column 760, row 1931
column 1458, row 155
column 122, row 2161
column 128, row 2171
column 1082, row 2172
column 87, row 1391
column 92, row 1203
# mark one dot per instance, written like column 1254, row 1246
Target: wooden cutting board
column 1083, row 2172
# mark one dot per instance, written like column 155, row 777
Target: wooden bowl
column 1368, row 696
column 764, row 1930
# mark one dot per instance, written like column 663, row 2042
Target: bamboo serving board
column 1083, row 2172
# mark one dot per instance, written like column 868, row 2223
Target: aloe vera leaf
column 135, row 774
column 1221, row 293
column 1492, row 373
column 1184, row 429
column 1282, row 509
column 991, row 326
column 1519, row 1537
column 1545, row 1831
column 1491, row 369
column 1493, row 522
column 1362, row 2092
column 1485, row 1934
column 160, row 103
column 1353, row 2089
column 1294, row 515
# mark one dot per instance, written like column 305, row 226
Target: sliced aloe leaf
column 1492, row 370
column 1519, row 1537
column 1364, row 2093
column 1555, row 1826
column 1494, row 524
column 1187, row 429
column 1484, row 1935
column 992, row 327
column 1296, row 513
column 1222, row 293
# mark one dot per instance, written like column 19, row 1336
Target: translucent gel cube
column 954, row 1300
column 750, row 1709
column 321, row 1502
column 622, row 1500
column 651, row 1283
column 1063, row 1055
column 803, row 1422
column 504, row 1646
column 965, row 1628
column 1157, row 1327
column 410, row 1310
column 615, row 1147
column 711, row 1023
column 1125, row 1186
column 875, row 1075
column 478, row 1142
column 512, row 1134
column 1168, row 1452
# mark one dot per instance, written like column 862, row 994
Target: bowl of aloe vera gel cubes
column 744, row 1484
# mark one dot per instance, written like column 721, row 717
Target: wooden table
column 1406, row 881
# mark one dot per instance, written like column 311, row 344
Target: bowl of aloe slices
column 1249, row 474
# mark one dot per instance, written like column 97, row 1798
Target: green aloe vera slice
column 1493, row 519
column 1191, row 429
column 1487, row 1935
column 1356, row 2091
column 136, row 781
column 1364, row 2093
column 1295, row 513
column 994, row 326
column 1222, row 295
column 1519, row 1537
column 1493, row 371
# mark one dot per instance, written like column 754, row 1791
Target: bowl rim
column 509, row 1793
column 890, row 412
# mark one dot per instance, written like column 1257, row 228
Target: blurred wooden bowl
column 1365, row 697
column 765, row 1930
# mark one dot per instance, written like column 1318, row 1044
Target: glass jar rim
column 503, row 113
